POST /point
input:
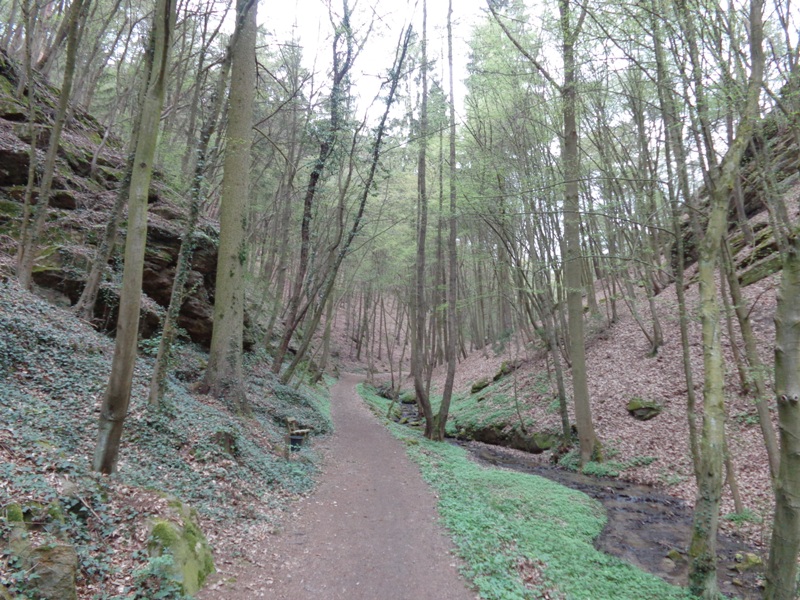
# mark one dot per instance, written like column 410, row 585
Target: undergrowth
column 230, row 468
column 502, row 519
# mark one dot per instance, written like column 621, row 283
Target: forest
column 567, row 230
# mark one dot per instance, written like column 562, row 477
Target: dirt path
column 369, row 531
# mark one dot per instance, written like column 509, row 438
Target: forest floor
column 369, row 530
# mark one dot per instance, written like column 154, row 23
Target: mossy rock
column 54, row 566
column 191, row 554
column 747, row 562
column 480, row 385
column 761, row 270
column 57, row 568
column 14, row 513
column 644, row 410
column 506, row 368
column 545, row 440
column 407, row 397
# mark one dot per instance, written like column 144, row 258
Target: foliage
column 607, row 468
column 52, row 375
column 501, row 518
column 153, row 580
column 746, row 516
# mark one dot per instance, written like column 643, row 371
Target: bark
column 419, row 350
column 573, row 261
column 452, row 282
column 224, row 375
column 781, row 574
column 117, row 396
column 702, row 551
column 182, row 268
column 757, row 367
column 33, row 229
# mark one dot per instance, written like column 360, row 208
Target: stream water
column 645, row 526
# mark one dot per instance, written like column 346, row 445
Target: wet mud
column 646, row 527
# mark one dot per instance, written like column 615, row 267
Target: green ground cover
column 521, row 536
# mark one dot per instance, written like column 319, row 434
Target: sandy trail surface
column 369, row 531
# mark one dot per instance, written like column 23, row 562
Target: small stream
column 644, row 524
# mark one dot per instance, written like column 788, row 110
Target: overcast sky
column 310, row 21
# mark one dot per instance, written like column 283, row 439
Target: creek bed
column 645, row 527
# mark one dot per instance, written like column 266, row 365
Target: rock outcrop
column 89, row 172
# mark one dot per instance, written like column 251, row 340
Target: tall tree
column 420, row 355
column 118, row 392
column 570, row 162
column 452, row 251
column 224, row 372
column 781, row 574
column 703, row 548
column 32, row 230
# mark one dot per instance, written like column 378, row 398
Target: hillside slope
column 196, row 465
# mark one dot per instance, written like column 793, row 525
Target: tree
column 452, row 252
column 702, row 551
column 32, row 230
column 573, row 262
column 781, row 573
column 224, row 372
column 114, row 408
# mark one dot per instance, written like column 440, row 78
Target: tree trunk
column 452, row 282
column 169, row 330
column 573, row 261
column 781, row 572
column 117, row 395
column 33, row 229
column 224, row 375
column 702, row 552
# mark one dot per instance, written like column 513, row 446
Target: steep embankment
column 89, row 173
column 189, row 472
column 194, row 478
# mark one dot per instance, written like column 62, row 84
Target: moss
column 163, row 534
column 192, row 560
column 14, row 514
column 644, row 410
column 55, row 512
column 761, row 270
column 480, row 385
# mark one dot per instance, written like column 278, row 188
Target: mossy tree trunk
column 420, row 352
column 117, row 395
column 452, row 253
column 169, row 330
column 703, row 548
column 224, row 375
column 781, row 572
column 32, row 229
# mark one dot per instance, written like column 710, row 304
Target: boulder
column 480, row 385
column 506, row 368
column 408, row 397
column 56, row 568
column 182, row 538
column 643, row 410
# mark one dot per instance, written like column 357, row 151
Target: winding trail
column 368, row 532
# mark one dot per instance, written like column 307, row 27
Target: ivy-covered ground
column 232, row 470
column 522, row 536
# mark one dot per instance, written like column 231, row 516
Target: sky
column 309, row 21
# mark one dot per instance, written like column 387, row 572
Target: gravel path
column 369, row 531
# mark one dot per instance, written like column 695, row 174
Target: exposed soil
column 368, row 531
column 644, row 525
